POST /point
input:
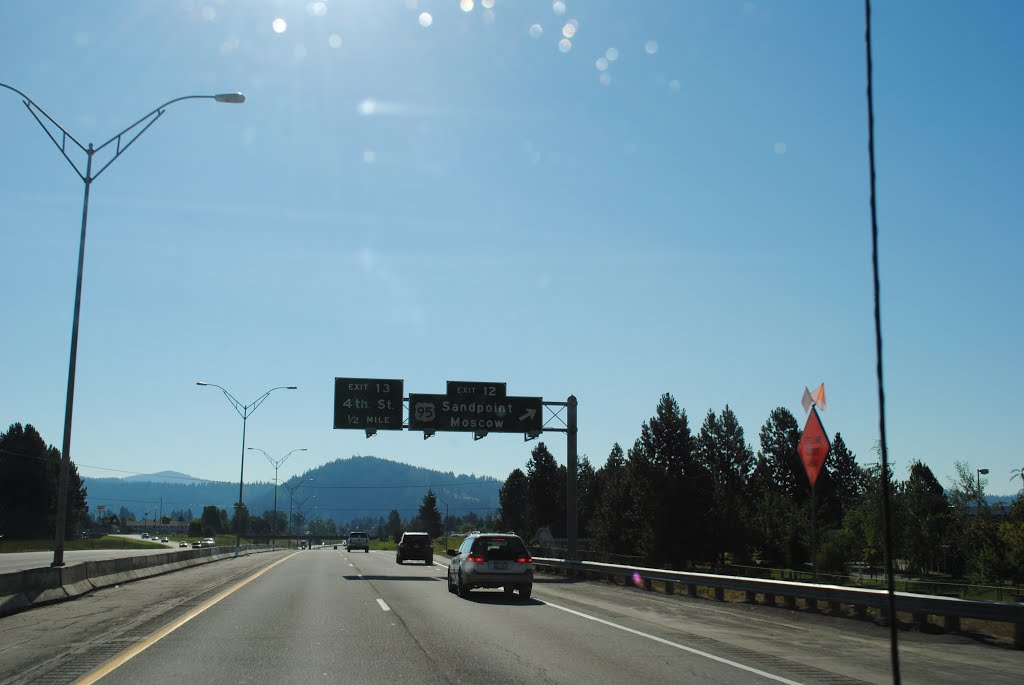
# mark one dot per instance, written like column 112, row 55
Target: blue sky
column 675, row 201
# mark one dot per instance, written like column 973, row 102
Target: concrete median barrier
column 23, row 589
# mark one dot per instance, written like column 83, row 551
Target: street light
column 87, row 178
column 291, row 493
column 244, row 410
column 277, row 465
column 981, row 472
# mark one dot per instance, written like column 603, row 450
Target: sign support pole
column 570, row 499
column 814, row 546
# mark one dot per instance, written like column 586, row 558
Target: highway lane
column 317, row 617
column 328, row 615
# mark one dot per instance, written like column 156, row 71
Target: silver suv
column 358, row 540
column 491, row 560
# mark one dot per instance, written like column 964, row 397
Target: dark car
column 417, row 546
column 491, row 560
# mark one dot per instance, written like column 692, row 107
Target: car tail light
column 525, row 560
column 477, row 559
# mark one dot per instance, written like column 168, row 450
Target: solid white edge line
column 691, row 650
column 383, row 605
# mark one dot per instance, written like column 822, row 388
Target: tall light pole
column 48, row 126
column 291, row 493
column 244, row 410
column 277, row 465
column 981, row 472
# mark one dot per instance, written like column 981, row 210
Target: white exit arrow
column 530, row 413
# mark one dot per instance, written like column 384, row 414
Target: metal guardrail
column 920, row 606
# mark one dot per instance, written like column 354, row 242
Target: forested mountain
column 344, row 489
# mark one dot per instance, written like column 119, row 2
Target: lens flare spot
column 605, row 78
column 536, row 31
column 487, row 4
column 279, row 25
column 466, row 5
column 425, row 19
column 369, row 156
column 564, row 45
column 780, row 148
column 611, row 54
column 208, row 13
column 601, row 64
column 317, row 9
column 651, row 47
column 674, row 85
column 570, row 28
column 335, row 40
column 637, row 580
column 558, row 7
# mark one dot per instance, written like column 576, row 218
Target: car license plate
column 500, row 565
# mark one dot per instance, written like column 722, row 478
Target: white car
column 208, row 542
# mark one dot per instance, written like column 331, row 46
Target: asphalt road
column 330, row 616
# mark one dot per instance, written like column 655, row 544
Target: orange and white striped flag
column 818, row 397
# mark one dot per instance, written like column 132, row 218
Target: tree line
column 684, row 499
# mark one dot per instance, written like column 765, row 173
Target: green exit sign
column 368, row 403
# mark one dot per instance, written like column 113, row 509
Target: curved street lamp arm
column 32, row 109
column 148, row 120
column 261, row 398
column 239, row 407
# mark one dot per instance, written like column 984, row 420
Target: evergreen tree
column 513, row 502
column 925, row 519
column 678, row 484
column 611, row 529
column 430, row 517
column 723, row 451
column 393, row 527
column 586, row 495
column 545, row 493
column 846, row 476
column 29, row 471
column 780, row 437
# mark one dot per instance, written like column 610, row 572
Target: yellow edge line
column 124, row 656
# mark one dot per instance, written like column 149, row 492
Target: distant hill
column 344, row 489
column 162, row 477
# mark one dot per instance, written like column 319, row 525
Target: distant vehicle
column 358, row 539
column 182, row 544
column 164, row 540
column 145, row 536
column 415, row 546
column 208, row 542
column 196, row 544
column 491, row 560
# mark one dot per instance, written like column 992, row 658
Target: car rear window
column 500, row 549
column 416, row 538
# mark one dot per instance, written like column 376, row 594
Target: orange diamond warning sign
column 813, row 447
